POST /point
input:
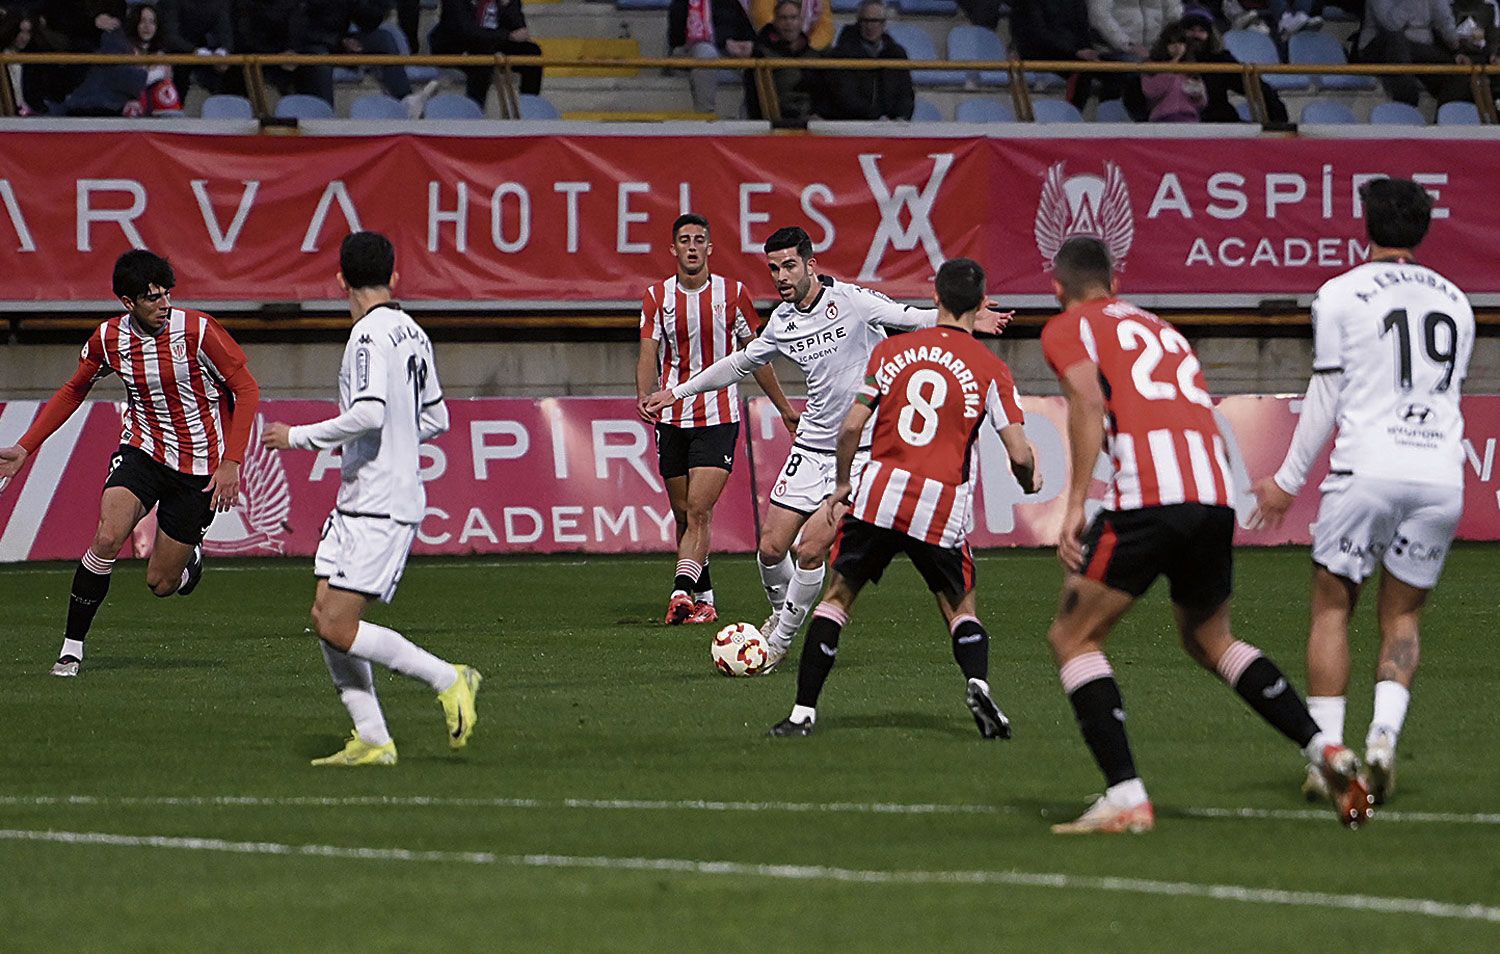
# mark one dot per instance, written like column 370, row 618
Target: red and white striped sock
column 687, row 577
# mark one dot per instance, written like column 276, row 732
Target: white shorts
column 363, row 554
column 1364, row 521
column 808, row 476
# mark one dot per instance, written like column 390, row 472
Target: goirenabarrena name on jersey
column 967, row 382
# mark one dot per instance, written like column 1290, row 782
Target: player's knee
column 810, row 557
column 698, row 516
column 770, row 554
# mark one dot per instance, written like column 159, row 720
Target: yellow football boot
column 458, row 706
column 359, row 752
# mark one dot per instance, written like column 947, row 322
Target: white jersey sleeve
column 1328, row 338
column 880, row 310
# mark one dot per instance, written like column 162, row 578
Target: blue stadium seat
column 1458, row 113
column 376, row 106
column 302, row 106
column 1112, row 111
column 1327, row 112
column 984, row 111
column 846, row 6
column 642, row 4
column 1397, row 114
column 417, row 74
column 1322, row 49
column 1243, row 108
column 537, row 107
column 919, row 46
column 452, row 106
column 1055, row 111
column 1252, row 46
column 227, row 106
column 969, row 42
column 941, row 8
column 926, row 111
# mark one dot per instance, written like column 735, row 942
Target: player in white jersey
column 389, row 402
column 1391, row 347
column 828, row 328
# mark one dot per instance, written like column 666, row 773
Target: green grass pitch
column 620, row 795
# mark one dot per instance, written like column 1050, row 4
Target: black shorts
column 1191, row 544
column 182, row 508
column 862, row 551
column 680, row 449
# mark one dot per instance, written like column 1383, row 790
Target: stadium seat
column 1327, row 112
column 227, row 106
column 940, row 8
column 926, row 111
column 919, row 46
column 1055, row 111
column 846, row 6
column 969, row 42
column 984, row 111
column 1316, row 47
column 643, row 4
column 302, row 106
column 417, row 74
column 537, row 107
column 1251, row 46
column 1397, row 114
column 452, row 106
column 1112, row 111
column 376, row 106
column 1243, row 108
column 1458, row 113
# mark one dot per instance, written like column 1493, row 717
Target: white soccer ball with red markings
column 740, row 650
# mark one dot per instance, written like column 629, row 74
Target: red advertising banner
column 579, row 474
column 579, row 218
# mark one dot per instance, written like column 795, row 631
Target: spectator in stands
column 784, row 38
column 1129, row 27
column 265, row 26
column 16, row 37
column 1058, row 30
column 79, row 27
column 1173, row 97
column 205, row 27
column 706, row 30
column 814, row 19
column 409, row 19
column 868, row 94
column 1409, row 31
column 110, row 90
column 353, row 26
column 1206, row 45
column 487, row 27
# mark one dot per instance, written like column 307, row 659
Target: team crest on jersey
column 258, row 523
column 719, row 310
column 833, row 311
column 179, row 349
column 1084, row 204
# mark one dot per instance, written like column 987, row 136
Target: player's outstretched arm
column 1080, row 385
column 59, row 407
column 361, row 418
column 886, row 313
column 991, row 320
column 1274, row 494
column 12, row 459
column 733, row 367
column 1022, row 458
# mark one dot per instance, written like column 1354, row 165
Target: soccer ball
column 739, row 650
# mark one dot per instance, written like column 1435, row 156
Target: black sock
column 682, row 584
column 971, row 649
column 1266, row 689
column 89, row 589
column 1101, row 718
column 704, row 584
column 818, row 652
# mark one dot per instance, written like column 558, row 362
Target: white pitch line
column 1422, row 907
column 695, row 805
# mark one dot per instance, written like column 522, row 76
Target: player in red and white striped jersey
column 929, row 391
column 1166, row 514
column 688, row 322
column 190, row 401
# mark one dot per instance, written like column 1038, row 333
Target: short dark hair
column 1081, row 264
column 1175, row 32
column 960, row 286
column 688, row 218
column 367, row 259
column 791, row 236
column 138, row 269
column 1397, row 212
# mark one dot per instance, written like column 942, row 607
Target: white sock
column 1127, row 794
column 807, row 586
column 355, row 682
column 775, row 579
column 1391, row 700
column 704, row 596
column 1328, row 713
column 801, row 714
column 399, row 654
column 72, row 647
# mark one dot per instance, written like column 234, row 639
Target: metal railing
column 254, row 67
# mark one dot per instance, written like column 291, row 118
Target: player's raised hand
column 277, row 436
column 655, row 402
column 1070, row 540
column 12, row 459
column 1272, row 503
column 991, row 320
column 224, row 486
